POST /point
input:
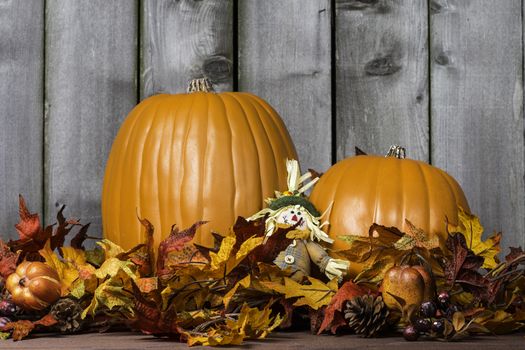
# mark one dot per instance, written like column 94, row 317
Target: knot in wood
column 382, row 66
column 217, row 68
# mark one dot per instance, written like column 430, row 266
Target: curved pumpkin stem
column 397, row 152
column 200, row 85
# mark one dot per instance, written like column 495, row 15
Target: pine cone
column 366, row 315
column 68, row 313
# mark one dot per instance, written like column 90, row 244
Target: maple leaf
column 8, row 260
column 29, row 225
column 22, row 328
column 78, row 240
column 66, row 271
column 416, row 237
column 463, row 266
column 177, row 248
column 315, row 295
column 333, row 317
column 470, row 227
column 142, row 254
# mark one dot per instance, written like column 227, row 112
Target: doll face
column 292, row 215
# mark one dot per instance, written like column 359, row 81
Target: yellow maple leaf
column 66, row 270
column 471, row 228
column 316, row 294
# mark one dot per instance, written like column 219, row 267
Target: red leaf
column 348, row 291
column 142, row 254
column 29, row 225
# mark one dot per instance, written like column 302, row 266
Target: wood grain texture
column 284, row 57
column 477, row 107
column 185, row 39
column 382, row 76
column 21, row 119
column 91, row 71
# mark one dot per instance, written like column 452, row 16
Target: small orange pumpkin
column 34, row 285
column 179, row 159
column 387, row 190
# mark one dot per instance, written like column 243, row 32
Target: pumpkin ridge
column 257, row 146
column 170, row 188
column 109, row 179
column 162, row 191
column 280, row 124
column 265, row 119
column 233, row 196
column 184, row 149
column 129, row 181
column 204, row 172
column 142, row 173
column 426, row 192
column 339, row 182
column 258, row 105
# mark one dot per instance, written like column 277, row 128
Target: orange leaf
column 348, row 291
column 22, row 328
column 29, row 225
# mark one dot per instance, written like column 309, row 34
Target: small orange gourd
column 34, row 285
column 411, row 283
column 387, row 190
column 179, row 159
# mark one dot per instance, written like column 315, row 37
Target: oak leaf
column 8, row 260
column 21, row 329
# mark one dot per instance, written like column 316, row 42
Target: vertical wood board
column 382, row 77
column 91, row 74
column 184, row 40
column 477, row 108
column 21, row 119
column 285, row 58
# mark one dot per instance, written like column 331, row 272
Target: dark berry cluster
column 431, row 318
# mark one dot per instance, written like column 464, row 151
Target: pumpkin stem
column 397, row 152
column 200, row 85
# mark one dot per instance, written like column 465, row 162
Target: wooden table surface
column 279, row 340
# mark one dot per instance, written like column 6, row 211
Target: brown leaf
column 463, row 266
column 8, row 260
column 177, row 248
column 29, row 225
column 142, row 254
column 514, row 254
column 80, row 237
column 348, row 291
column 22, row 328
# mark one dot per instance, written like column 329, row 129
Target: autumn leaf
column 470, row 227
column 315, row 295
column 66, row 270
column 111, row 250
column 29, row 225
column 348, row 291
column 7, row 260
column 21, row 329
column 178, row 248
column 416, row 237
column 462, row 267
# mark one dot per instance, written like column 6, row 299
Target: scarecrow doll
column 291, row 209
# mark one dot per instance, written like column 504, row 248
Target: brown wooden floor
column 281, row 341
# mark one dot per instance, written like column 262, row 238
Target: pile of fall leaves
column 233, row 291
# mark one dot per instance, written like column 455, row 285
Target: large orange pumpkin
column 387, row 190
column 178, row 159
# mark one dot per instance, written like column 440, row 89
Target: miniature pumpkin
column 34, row 285
column 183, row 158
column 411, row 283
column 387, row 190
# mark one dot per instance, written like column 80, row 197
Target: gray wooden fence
column 444, row 78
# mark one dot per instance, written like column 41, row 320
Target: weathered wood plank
column 21, row 98
column 477, row 107
column 285, row 58
column 382, row 76
column 91, row 73
column 183, row 40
